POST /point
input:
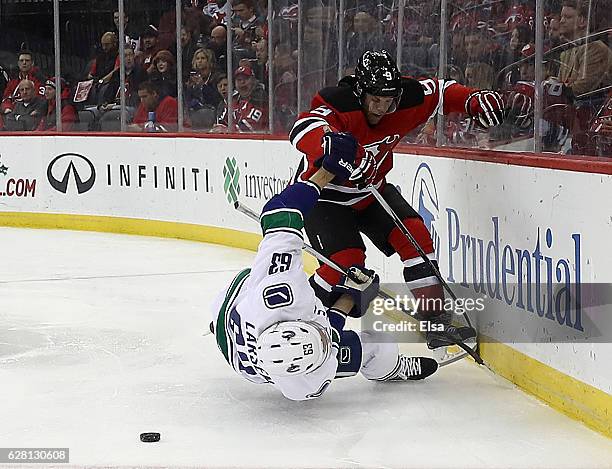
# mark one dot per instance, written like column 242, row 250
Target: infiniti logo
column 66, row 164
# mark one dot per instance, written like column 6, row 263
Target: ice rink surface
column 101, row 339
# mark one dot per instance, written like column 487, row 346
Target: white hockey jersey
column 275, row 289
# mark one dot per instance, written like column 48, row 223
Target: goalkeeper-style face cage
column 376, row 74
column 290, row 348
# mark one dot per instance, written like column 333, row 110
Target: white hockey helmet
column 290, row 348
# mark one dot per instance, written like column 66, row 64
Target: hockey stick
column 400, row 225
column 308, row 248
column 446, row 360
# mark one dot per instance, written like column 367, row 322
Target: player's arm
column 282, row 218
column 359, row 288
column 486, row 107
column 308, row 131
column 282, row 221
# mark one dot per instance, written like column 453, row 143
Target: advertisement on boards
column 19, row 181
column 520, row 240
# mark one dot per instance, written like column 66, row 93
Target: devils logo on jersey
column 379, row 150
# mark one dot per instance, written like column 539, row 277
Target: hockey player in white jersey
column 268, row 323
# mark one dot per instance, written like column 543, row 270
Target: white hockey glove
column 362, row 285
column 486, row 107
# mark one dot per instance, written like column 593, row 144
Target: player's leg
column 377, row 225
column 383, row 362
column 369, row 354
column 374, row 356
column 419, row 275
column 332, row 230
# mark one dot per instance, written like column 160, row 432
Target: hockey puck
column 150, row 437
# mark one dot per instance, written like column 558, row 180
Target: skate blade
column 451, row 354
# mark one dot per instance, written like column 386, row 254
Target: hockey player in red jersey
column 378, row 107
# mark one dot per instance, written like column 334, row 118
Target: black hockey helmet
column 377, row 74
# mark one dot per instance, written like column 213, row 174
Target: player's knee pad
column 403, row 246
column 349, row 354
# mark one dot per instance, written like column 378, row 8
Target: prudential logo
column 71, row 166
column 425, row 201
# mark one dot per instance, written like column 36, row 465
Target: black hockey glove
column 362, row 285
column 339, row 153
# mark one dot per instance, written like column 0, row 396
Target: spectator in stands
column 457, row 53
column 415, row 51
column 245, row 58
column 520, row 36
column 285, row 105
column 320, row 69
column 246, row 22
column 364, row 33
column 250, row 104
column 553, row 35
column 4, row 79
column 479, row 75
column 26, row 71
column 149, row 46
column 107, row 60
column 222, row 84
column 166, row 26
column 527, row 68
column 132, row 36
column 188, row 47
column 261, row 8
column 163, row 73
column 199, row 25
column 552, row 39
column 222, row 88
column 285, row 65
column 200, row 89
column 480, row 48
column 165, row 109
column 134, row 75
column 69, row 114
column 588, row 66
column 519, row 12
column 219, row 11
column 260, row 66
column 218, row 44
column 28, row 111
column 584, row 68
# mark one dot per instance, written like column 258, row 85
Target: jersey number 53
column 281, row 261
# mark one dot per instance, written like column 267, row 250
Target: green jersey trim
column 230, row 297
column 282, row 220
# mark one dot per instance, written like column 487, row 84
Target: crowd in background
column 490, row 44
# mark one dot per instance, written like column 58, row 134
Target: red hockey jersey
column 250, row 114
column 338, row 109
